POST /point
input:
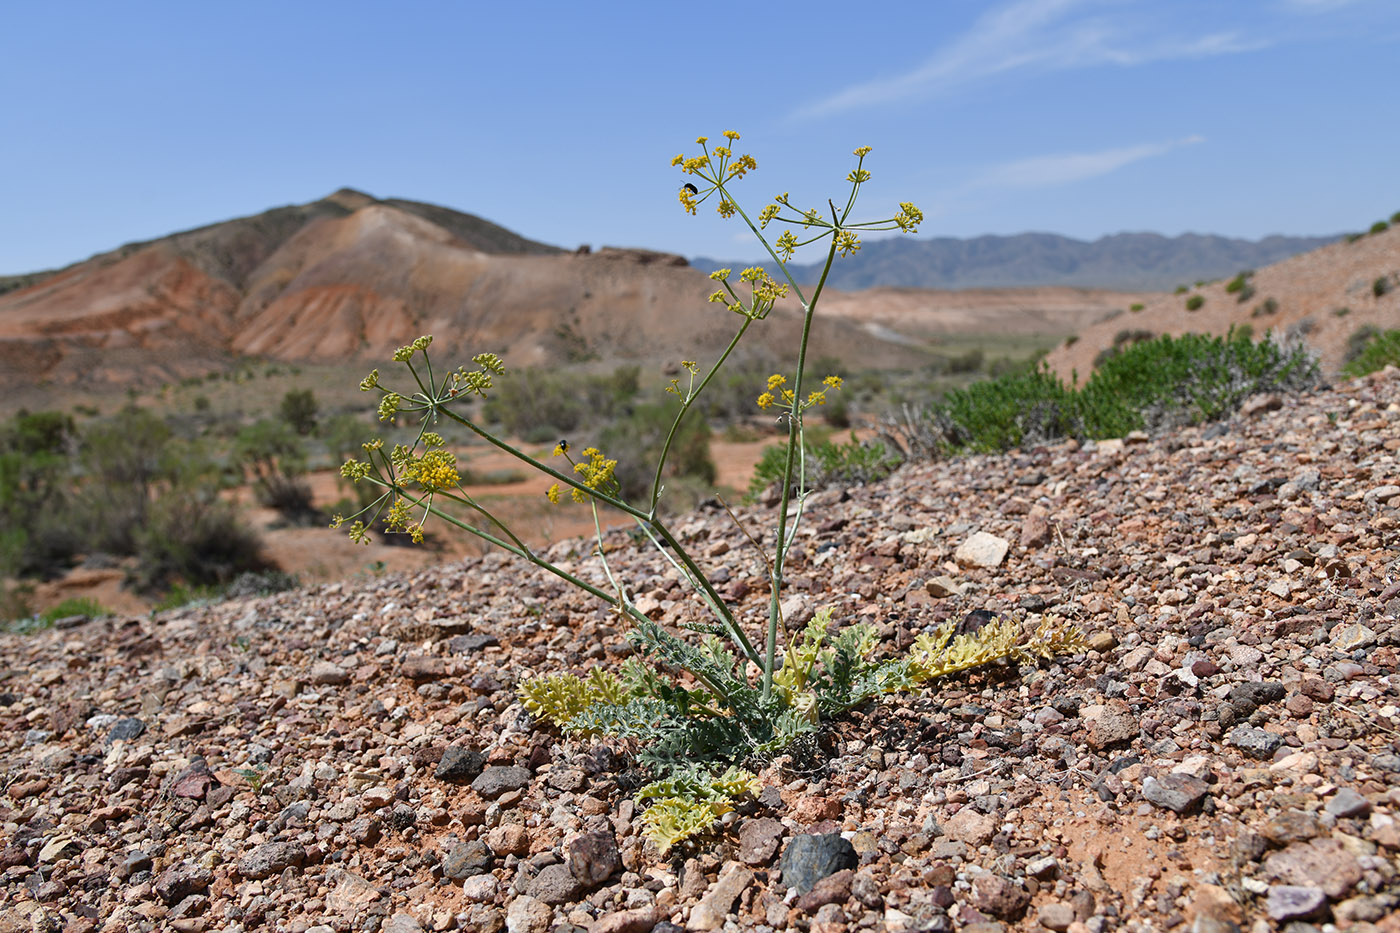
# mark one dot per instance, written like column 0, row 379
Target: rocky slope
column 1322, row 298
column 353, row 757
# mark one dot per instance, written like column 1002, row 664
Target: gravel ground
column 353, row 757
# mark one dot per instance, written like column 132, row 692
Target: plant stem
column 809, row 309
column 691, row 396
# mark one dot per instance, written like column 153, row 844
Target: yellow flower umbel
column 597, row 472
column 434, row 471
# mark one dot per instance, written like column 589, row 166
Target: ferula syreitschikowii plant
column 696, row 709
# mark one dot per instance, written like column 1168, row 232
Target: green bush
column 299, row 410
column 1181, row 290
column 1147, row 384
column 1238, row 282
column 636, row 443
column 74, row 606
column 1194, row 302
column 1376, row 353
column 1136, row 306
column 1267, row 307
column 274, row 459
column 1395, row 217
column 1245, row 294
column 1380, row 286
column 38, row 535
column 192, row 535
column 828, row 464
column 1379, row 226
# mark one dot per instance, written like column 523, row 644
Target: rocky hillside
column 1140, row 262
column 353, row 756
column 352, row 277
column 1322, row 297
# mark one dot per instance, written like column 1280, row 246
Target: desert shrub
column 273, row 457
column 837, row 412
column 563, row 402
column 1181, row 290
column 37, row 533
column 970, row 361
column 998, row 414
column 1380, row 286
column 129, row 459
column 298, row 409
column 1265, row 308
column 1136, row 306
column 74, row 606
column 1379, row 226
column 1369, row 350
column 829, row 463
column 1189, row 379
column 1245, row 294
column 1341, row 312
column 192, row 535
column 1152, row 384
column 1071, row 340
column 1195, row 302
column 636, row 443
column 1238, row 283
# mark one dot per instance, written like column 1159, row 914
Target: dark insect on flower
column 691, row 188
column 563, row 447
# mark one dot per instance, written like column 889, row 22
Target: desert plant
column 1379, row 226
column 1238, row 283
column 1265, row 308
column 298, row 408
column 1370, row 349
column 1194, row 302
column 273, row 457
column 748, row 699
column 1380, row 286
column 83, row 606
column 1136, row 306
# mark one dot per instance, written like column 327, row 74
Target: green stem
column 543, row 468
column 527, row 554
column 691, row 395
column 794, row 439
column 716, row 602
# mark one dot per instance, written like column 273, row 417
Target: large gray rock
column 271, row 858
column 810, row 858
column 1180, row 793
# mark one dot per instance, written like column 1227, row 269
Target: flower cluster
column 435, row 470
column 598, row 473
column 777, row 381
column 764, row 292
column 715, row 168
column 718, row 167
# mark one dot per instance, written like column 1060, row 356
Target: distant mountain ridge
column 351, row 277
column 1126, row 261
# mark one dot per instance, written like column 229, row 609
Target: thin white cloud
column 1038, row 36
column 1047, row 170
column 1317, row 6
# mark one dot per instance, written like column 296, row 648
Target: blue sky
column 558, row 120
